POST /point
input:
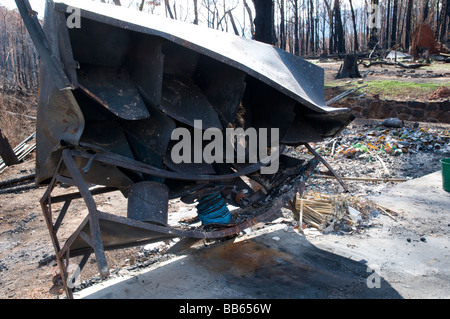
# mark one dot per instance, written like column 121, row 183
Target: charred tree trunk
column 330, row 27
column 296, row 31
column 426, row 10
column 394, row 24
column 445, row 21
column 408, row 25
column 312, row 27
column 350, row 68
column 355, row 32
column 264, row 31
column 282, row 27
column 388, row 20
column 195, row 12
column 340, row 39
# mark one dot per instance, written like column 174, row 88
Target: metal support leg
column 94, row 225
column 46, row 210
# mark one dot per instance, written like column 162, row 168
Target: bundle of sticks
column 320, row 210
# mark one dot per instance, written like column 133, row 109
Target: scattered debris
column 389, row 62
column 383, row 140
column 393, row 122
column 396, row 56
column 332, row 213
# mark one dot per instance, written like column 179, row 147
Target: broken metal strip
column 42, row 45
column 77, row 195
column 127, row 163
column 328, row 166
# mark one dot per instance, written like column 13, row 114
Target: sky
column 39, row 5
column 184, row 10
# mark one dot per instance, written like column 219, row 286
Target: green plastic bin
column 445, row 163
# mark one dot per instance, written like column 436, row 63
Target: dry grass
column 16, row 112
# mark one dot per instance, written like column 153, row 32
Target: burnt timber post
column 6, row 152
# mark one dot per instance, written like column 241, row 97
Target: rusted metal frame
column 46, row 206
column 86, row 238
column 72, row 238
column 59, row 258
column 61, row 216
column 93, row 212
column 77, row 195
column 328, row 166
column 124, row 162
column 64, row 180
column 46, row 210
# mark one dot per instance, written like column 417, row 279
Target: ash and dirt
column 365, row 149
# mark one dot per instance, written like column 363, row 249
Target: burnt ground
column 27, row 264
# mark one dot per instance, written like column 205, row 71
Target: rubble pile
column 383, row 140
column 370, row 156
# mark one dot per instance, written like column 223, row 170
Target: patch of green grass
column 434, row 66
column 391, row 89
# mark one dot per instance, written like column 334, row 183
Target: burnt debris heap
column 115, row 84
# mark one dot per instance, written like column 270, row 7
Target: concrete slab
column 267, row 264
column 403, row 258
column 412, row 251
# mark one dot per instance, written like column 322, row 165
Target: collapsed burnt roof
column 115, row 87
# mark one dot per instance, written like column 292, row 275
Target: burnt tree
column 264, row 21
column 394, row 24
column 350, row 68
column 355, row 31
column 408, row 31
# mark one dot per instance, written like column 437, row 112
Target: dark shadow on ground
column 278, row 265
